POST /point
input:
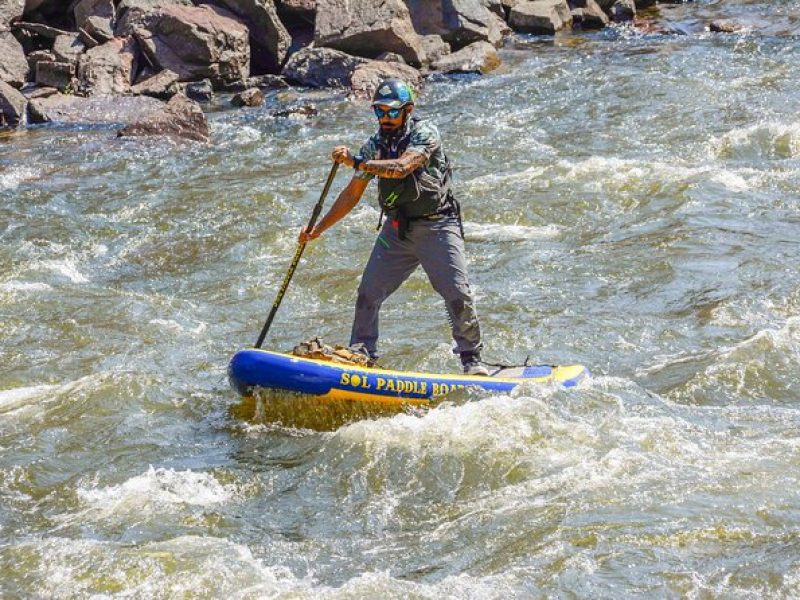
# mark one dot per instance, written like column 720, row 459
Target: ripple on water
column 764, row 141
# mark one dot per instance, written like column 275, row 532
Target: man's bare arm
column 347, row 199
column 395, row 168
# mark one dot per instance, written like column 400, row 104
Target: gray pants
column 439, row 248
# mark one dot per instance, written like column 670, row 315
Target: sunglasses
column 392, row 113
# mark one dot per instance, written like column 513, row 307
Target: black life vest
column 420, row 193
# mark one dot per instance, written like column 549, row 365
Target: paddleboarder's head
column 393, row 102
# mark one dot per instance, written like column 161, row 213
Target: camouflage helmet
column 394, row 93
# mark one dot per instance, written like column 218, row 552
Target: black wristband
column 357, row 160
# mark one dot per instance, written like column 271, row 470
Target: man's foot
column 473, row 366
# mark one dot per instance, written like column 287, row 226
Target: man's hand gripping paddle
column 298, row 253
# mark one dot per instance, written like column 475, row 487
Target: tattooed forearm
column 396, row 168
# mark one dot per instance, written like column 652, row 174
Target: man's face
column 390, row 119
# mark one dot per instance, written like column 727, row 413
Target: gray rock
column 366, row 78
column 725, row 26
column 196, row 42
column 300, row 8
column 368, row 28
column 199, row 91
column 540, row 17
column 159, row 85
column 623, row 10
column 38, row 56
column 60, row 75
column 131, row 13
column 480, row 57
column 458, row 22
column 180, row 118
column 321, row 67
column 498, row 30
column 39, row 29
column 265, row 26
column 496, row 7
column 108, row 69
column 13, row 106
column 252, row 97
column 390, row 57
column 68, row 48
column 305, row 111
column 10, row 10
column 41, row 92
column 84, row 9
column 96, row 19
column 13, row 64
column 587, row 14
column 97, row 110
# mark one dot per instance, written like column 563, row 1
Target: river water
column 631, row 204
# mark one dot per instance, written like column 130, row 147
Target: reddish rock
column 365, row 79
column 108, row 69
column 321, row 67
column 266, row 28
column 252, row 97
column 13, row 64
column 541, row 17
column 196, row 42
column 180, row 118
column 368, row 28
column 480, row 57
column 13, row 106
column 60, row 75
column 159, row 85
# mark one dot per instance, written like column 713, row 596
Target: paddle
column 298, row 253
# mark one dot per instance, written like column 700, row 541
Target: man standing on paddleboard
column 423, row 225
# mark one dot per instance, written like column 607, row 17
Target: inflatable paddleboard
column 251, row 369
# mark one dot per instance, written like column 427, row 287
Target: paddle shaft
column 298, row 253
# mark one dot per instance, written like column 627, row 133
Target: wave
column 762, row 141
column 497, row 232
column 157, row 487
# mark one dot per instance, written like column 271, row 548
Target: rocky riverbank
column 72, row 61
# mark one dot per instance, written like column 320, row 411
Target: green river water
column 632, row 204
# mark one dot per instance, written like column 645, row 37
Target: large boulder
column 108, row 69
column 587, row 14
column 68, row 48
column 10, row 10
column 95, row 19
column 541, row 17
column 160, row 85
column 131, row 14
column 480, row 57
column 180, row 118
column 196, row 42
column 13, row 64
column 366, row 78
column 368, row 28
column 266, row 29
column 54, row 74
column 322, row 67
column 458, row 22
column 13, row 106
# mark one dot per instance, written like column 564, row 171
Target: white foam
column 602, row 172
column 11, row 179
column 66, row 267
column 162, row 487
column 496, row 232
column 764, row 140
column 24, row 287
column 17, row 397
